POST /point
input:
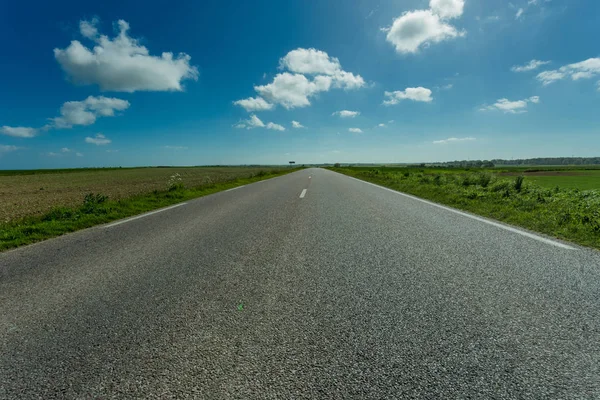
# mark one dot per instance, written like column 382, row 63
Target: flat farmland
column 568, row 179
column 31, row 193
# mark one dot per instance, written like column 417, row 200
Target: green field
column 568, row 179
column 559, row 202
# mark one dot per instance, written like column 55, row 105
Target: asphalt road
column 343, row 290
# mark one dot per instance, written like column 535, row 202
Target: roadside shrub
column 174, row 183
column 500, row 185
column 484, row 179
column 92, row 203
column 467, row 180
column 472, row 194
column 519, row 182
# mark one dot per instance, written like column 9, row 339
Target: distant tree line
column 546, row 161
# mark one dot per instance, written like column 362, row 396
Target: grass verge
column 99, row 209
column 563, row 213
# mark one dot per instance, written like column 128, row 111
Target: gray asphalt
column 350, row 292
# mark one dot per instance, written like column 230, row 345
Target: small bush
column 500, row 185
column 484, row 179
column 92, row 203
column 519, row 183
column 175, row 183
column 467, row 180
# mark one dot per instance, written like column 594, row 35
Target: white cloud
column 415, row 94
column 309, row 72
column 511, row 107
column 65, row 150
column 317, row 62
column 121, row 64
column 454, row 140
column 582, row 70
column 275, row 127
column 53, row 154
column 381, row 125
column 254, row 104
column 88, row 28
column 519, row 14
column 310, row 61
column 346, row 114
column 530, row 66
column 18, row 131
column 293, row 90
column 79, row 154
column 85, row 112
column 7, row 148
column 414, row 30
column 447, row 8
column 98, row 140
column 255, row 122
column 347, row 81
column 355, row 130
column 547, row 77
column 297, row 125
column 250, row 123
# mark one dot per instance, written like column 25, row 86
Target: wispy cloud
column 511, row 107
column 454, row 140
column 98, row 140
column 8, row 148
column 18, row 131
column 176, row 147
column 355, row 130
column 519, row 13
column 346, row 114
column 530, row 66
column 582, row 70
column 275, row 127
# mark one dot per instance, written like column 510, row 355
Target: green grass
column 561, row 212
column 98, row 209
column 588, row 180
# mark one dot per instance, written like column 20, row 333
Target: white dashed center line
column 303, row 194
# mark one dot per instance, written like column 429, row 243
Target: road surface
column 310, row 285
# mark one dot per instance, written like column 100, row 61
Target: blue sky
column 90, row 84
